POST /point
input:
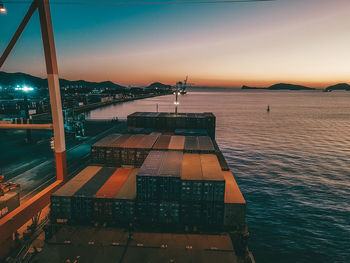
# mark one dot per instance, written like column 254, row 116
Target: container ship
column 160, row 192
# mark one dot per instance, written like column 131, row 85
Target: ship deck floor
column 91, row 244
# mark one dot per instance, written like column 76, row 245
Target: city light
column 2, row 9
column 24, row 88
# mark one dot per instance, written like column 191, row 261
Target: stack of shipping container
column 117, row 150
column 164, row 121
column 97, row 194
column 181, row 180
column 123, row 149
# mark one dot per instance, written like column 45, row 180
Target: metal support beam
column 18, row 33
column 54, row 87
column 21, row 215
column 26, row 126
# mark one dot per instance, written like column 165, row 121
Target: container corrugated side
column 169, row 176
column 212, row 213
column 103, row 201
column 191, row 213
column 61, row 201
column 144, row 147
column 147, row 212
column 169, row 212
column 191, row 144
column 114, row 183
column 206, row 144
column 177, row 143
column 214, row 182
column 82, row 200
column 124, row 201
column 98, row 150
column 235, row 204
column 113, row 151
column 162, row 142
column 191, row 178
column 128, row 149
column 147, row 178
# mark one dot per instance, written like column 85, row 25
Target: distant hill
column 282, row 86
column 340, row 86
column 13, row 79
column 159, row 86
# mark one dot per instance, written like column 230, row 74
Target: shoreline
column 93, row 106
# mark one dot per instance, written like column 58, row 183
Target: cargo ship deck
column 162, row 192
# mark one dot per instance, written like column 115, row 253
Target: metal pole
column 18, row 33
column 54, row 87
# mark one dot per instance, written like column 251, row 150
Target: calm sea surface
column 292, row 165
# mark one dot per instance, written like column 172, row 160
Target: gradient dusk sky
column 297, row 41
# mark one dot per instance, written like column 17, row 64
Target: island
column 281, row 86
column 339, row 86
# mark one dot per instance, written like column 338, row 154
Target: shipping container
column 125, row 200
column 9, row 202
column 82, row 200
column 61, row 200
column 165, row 121
column 169, row 212
column 191, row 213
column 190, row 132
column 169, row 176
column 147, row 178
column 113, row 151
column 191, row 178
column 147, row 212
column 212, row 213
column 214, row 182
column 223, row 164
column 177, row 143
column 98, row 150
column 205, row 144
column 191, row 144
column 235, row 204
column 162, row 143
column 144, row 147
column 103, row 203
column 128, row 149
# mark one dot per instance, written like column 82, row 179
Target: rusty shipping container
column 191, row 178
column 61, row 201
column 98, row 150
column 103, row 202
column 235, row 204
column 82, row 200
column 214, row 182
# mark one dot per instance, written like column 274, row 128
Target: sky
column 229, row 45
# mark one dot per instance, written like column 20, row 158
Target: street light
column 2, row 9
